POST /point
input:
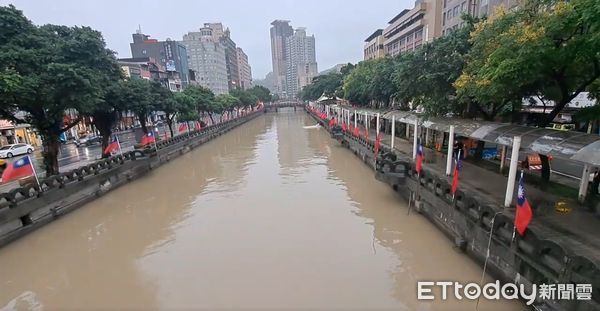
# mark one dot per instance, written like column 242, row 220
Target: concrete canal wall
column 25, row 209
column 543, row 255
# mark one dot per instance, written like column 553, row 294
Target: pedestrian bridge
column 274, row 107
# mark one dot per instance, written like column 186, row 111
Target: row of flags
column 523, row 213
column 183, row 127
column 23, row 167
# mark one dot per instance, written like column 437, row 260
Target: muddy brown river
column 268, row 216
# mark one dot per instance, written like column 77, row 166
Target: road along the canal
column 270, row 215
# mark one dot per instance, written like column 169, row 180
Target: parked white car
column 9, row 151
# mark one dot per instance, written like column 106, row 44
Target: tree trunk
column 170, row 125
column 142, row 119
column 545, row 168
column 104, row 122
column 51, row 148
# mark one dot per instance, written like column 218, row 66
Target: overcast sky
column 340, row 26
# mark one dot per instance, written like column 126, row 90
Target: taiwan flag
column 419, row 160
column 523, row 213
column 148, row 139
column 183, row 127
column 377, row 144
column 457, row 168
column 113, row 146
column 20, row 168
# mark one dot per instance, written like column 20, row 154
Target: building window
column 444, row 19
column 463, row 6
column 455, row 10
column 449, row 14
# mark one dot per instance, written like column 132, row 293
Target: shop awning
column 568, row 145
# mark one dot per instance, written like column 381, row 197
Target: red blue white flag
column 18, row 169
column 523, row 214
column 419, row 160
column 148, row 139
column 457, row 168
column 113, row 146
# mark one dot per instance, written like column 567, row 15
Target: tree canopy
column 45, row 70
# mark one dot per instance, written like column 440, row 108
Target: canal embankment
column 29, row 207
column 547, row 254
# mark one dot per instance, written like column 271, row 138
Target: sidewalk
column 580, row 225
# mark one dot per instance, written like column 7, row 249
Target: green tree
column 203, row 99
column 47, row 70
column 382, row 89
column 106, row 114
column 328, row 85
column 137, row 94
column 169, row 103
column 547, row 48
column 357, row 84
column 426, row 77
column 225, row 103
column 262, row 93
column 246, row 98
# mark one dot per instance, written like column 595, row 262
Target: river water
column 268, row 216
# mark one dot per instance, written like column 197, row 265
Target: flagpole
column 155, row 144
column 34, row 173
column 455, row 168
column 119, row 143
column 487, row 255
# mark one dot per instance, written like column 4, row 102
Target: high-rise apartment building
column 414, row 27
column 224, row 36
column 374, row 45
column 280, row 32
column 206, row 56
column 170, row 54
column 300, row 61
column 244, row 70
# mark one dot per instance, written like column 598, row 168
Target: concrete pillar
column 512, row 172
column 355, row 118
column 415, row 138
column 450, row 149
column 377, row 130
column 426, row 136
column 583, row 185
column 407, row 130
column 327, row 109
column 366, row 121
column 393, row 131
column 348, row 117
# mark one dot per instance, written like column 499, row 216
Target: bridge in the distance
column 274, row 107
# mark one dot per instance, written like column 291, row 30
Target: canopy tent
column 567, row 145
column 324, row 98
